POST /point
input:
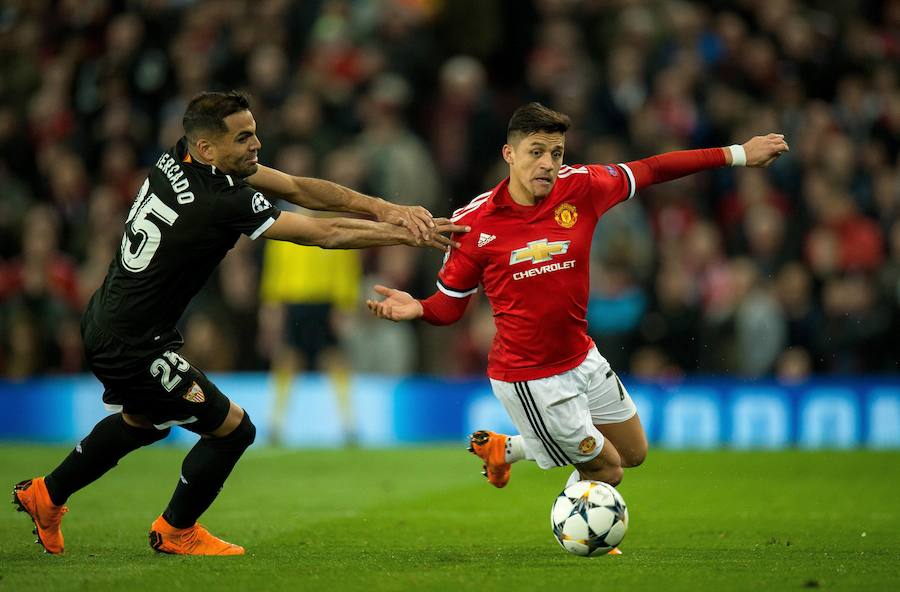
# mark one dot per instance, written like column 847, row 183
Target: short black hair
column 207, row 112
column 533, row 118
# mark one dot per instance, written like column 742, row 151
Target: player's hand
column 437, row 238
column 396, row 306
column 416, row 219
column 762, row 150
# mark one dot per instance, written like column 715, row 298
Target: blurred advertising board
column 693, row 413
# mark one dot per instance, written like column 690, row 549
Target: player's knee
column 612, row 474
column 602, row 470
column 634, row 459
column 240, row 438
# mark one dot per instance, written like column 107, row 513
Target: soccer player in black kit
column 197, row 200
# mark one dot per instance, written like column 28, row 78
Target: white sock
column 516, row 449
column 575, row 477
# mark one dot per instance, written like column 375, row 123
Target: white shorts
column 557, row 415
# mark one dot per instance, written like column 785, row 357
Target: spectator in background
column 311, row 287
column 91, row 92
column 765, row 234
column 753, row 188
column 462, row 123
column 794, row 365
column 307, row 290
column 841, row 239
column 40, row 300
column 759, row 321
column 616, row 304
column 374, row 347
column 794, row 291
column 395, row 157
column 854, row 332
column 672, row 324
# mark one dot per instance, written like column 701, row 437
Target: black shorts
column 308, row 329
column 154, row 381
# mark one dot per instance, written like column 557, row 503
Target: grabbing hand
column 396, row 306
column 436, row 239
column 416, row 219
column 762, row 150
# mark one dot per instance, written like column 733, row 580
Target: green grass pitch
column 424, row 519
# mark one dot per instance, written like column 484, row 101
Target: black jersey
column 185, row 218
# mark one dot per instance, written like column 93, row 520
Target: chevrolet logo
column 539, row 251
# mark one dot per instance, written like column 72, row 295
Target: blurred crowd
column 785, row 271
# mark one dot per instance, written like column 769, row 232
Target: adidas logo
column 485, row 239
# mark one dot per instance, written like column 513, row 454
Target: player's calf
column 204, row 471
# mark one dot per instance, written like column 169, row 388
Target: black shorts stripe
column 621, row 388
column 520, row 392
column 541, row 420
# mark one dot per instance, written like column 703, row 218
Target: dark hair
column 534, row 117
column 207, row 112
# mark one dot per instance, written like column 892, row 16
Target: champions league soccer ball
column 589, row 518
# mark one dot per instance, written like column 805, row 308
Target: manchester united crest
column 587, row 445
column 566, row 215
column 194, row 394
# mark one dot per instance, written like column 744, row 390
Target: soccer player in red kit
column 529, row 249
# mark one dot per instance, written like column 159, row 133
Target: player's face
column 534, row 162
column 238, row 148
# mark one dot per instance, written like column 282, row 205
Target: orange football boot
column 31, row 496
column 614, row 551
column 491, row 448
column 195, row 540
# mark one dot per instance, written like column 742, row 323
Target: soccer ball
column 589, row 518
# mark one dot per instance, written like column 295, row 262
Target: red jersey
column 533, row 263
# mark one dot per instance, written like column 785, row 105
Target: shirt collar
column 500, row 199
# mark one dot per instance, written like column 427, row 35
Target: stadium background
column 781, row 284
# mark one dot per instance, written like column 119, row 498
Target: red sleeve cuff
column 673, row 165
column 440, row 309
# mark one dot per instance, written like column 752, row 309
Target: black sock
column 204, row 471
column 110, row 440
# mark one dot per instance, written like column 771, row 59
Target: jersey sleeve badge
column 260, row 203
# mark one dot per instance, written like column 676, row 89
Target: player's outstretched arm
column 759, row 151
column 352, row 233
column 396, row 306
column 319, row 194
